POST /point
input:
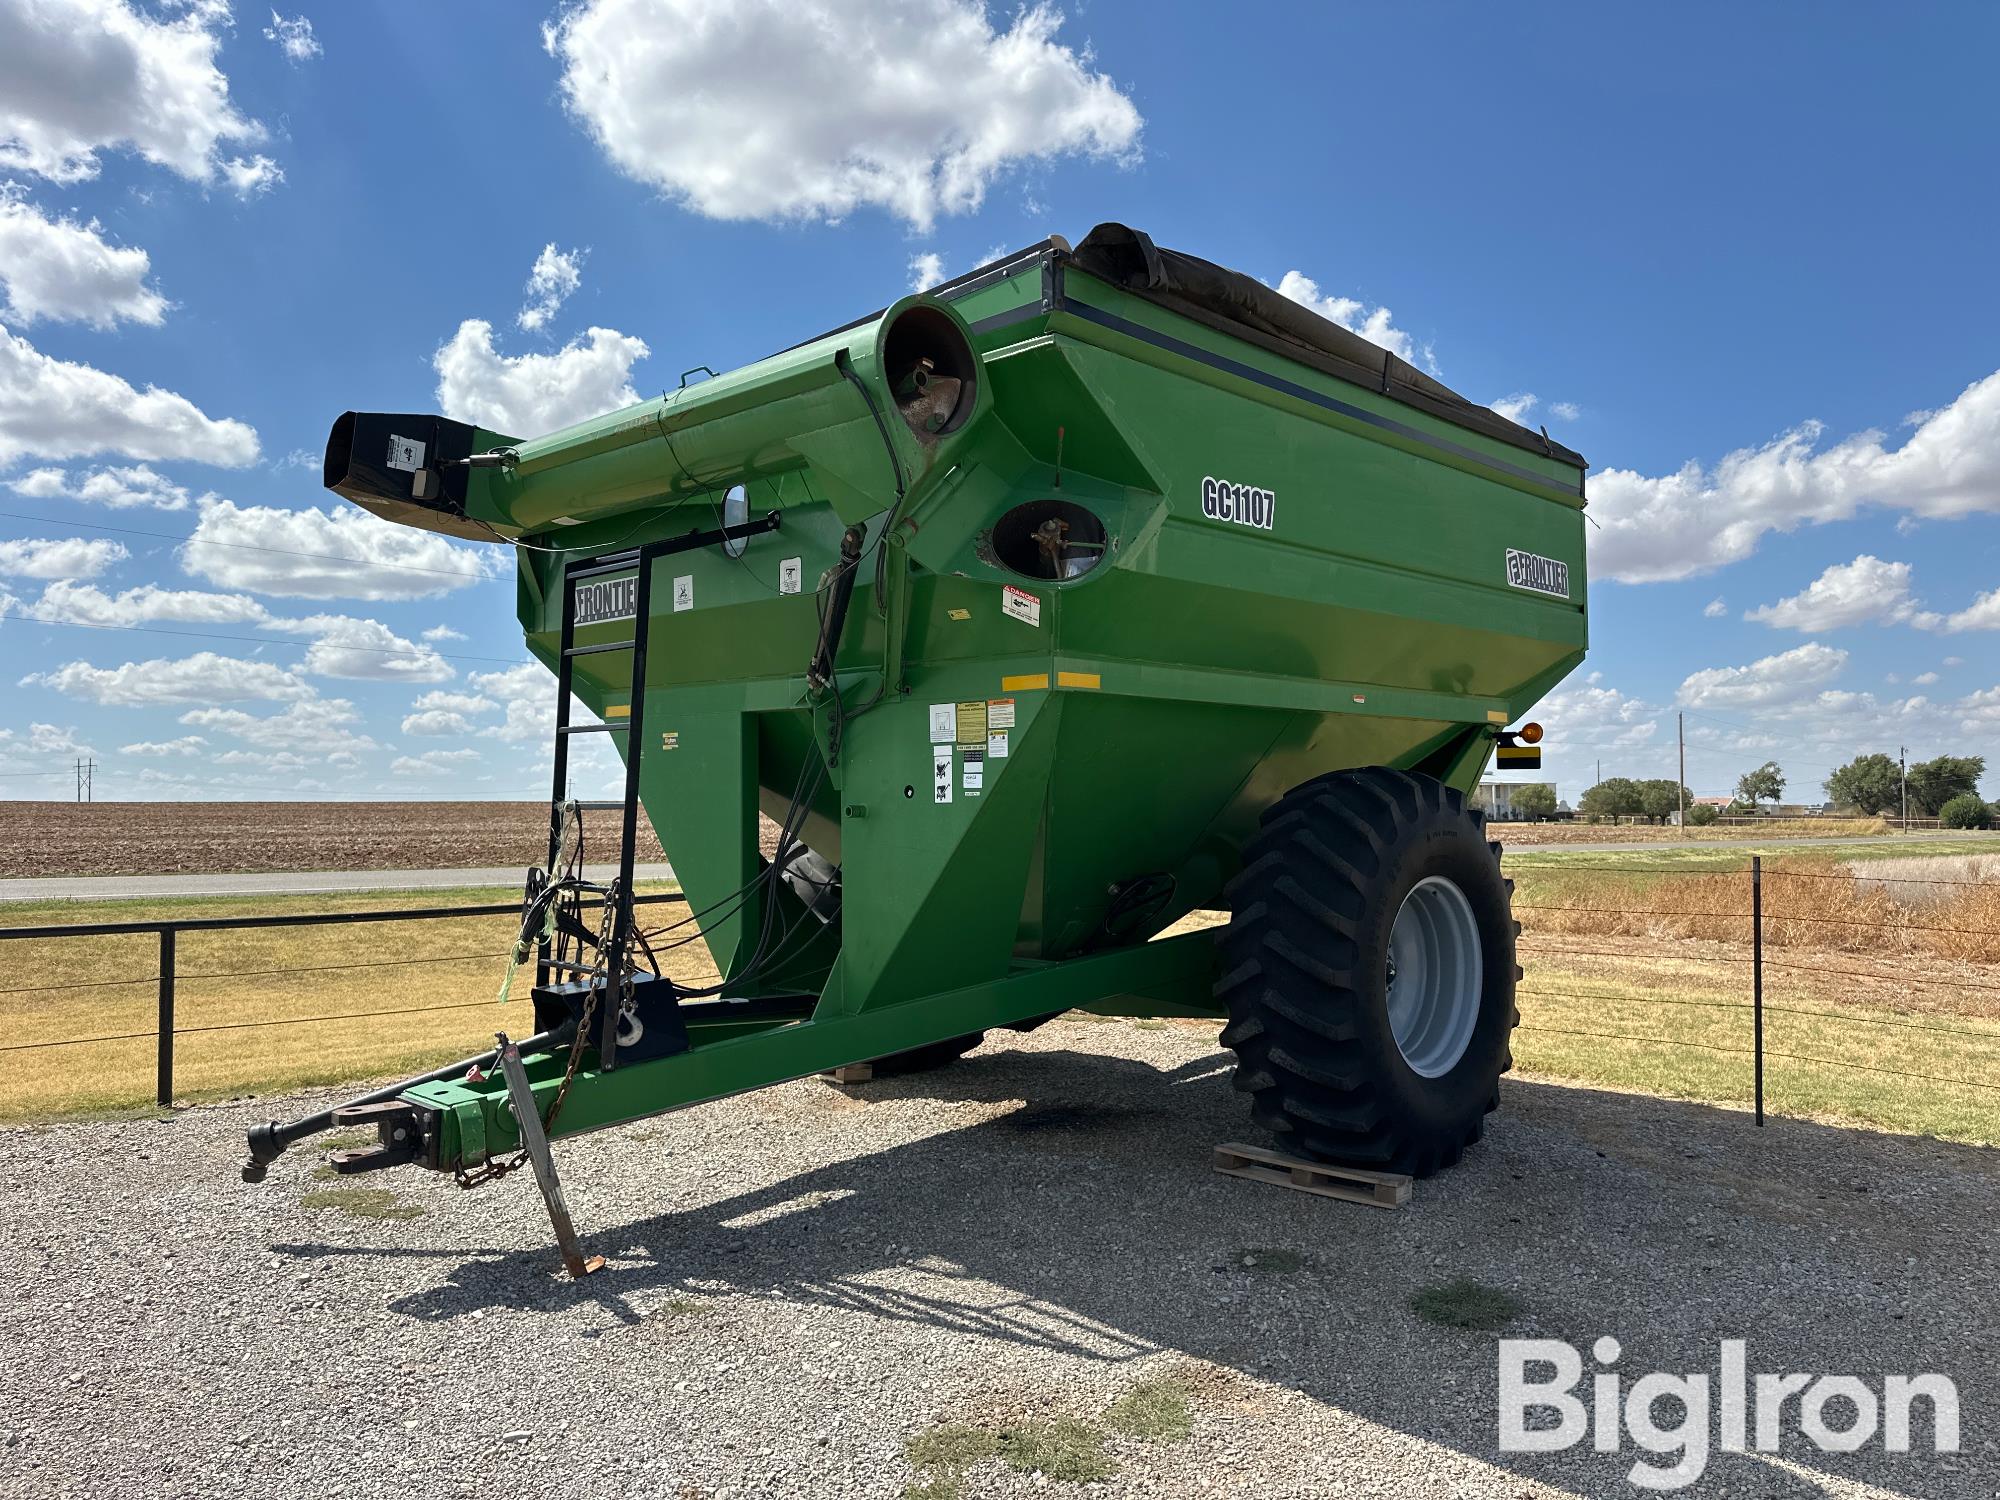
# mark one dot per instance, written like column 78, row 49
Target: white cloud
column 1588, row 715
column 319, row 554
column 317, row 726
column 926, row 271
column 366, row 650
column 1847, row 594
column 432, row 762
column 1924, row 679
column 78, row 77
column 187, row 744
column 1699, row 519
column 1566, row 411
column 528, row 693
column 1770, row 680
column 1982, row 614
column 436, row 723
column 86, row 604
column 202, row 678
column 52, row 739
column 555, row 275
column 1515, row 408
column 66, row 271
column 54, row 408
column 294, row 37
column 804, row 109
column 65, row 557
column 119, row 488
column 1372, row 324
column 1715, row 609
column 459, row 703
column 1954, row 661
column 527, row 395
column 439, row 633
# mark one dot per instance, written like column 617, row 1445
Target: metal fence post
column 165, row 1091
column 1757, row 973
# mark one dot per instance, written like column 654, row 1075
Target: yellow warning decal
column 1495, row 716
column 618, row 711
column 1025, row 684
column 1078, row 680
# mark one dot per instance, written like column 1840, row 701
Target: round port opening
column 933, row 372
column 1051, row 540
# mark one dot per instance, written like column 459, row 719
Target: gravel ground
column 800, row 1279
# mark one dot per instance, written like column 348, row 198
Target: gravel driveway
column 802, row 1279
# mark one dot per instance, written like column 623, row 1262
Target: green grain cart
column 1094, row 588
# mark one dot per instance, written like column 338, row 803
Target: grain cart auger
column 1094, row 588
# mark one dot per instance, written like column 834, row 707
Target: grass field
column 1638, row 977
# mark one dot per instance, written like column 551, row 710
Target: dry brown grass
column 1535, row 835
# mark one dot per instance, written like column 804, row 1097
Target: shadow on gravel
column 1086, row 1221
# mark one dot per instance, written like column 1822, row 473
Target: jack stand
column 535, row 1141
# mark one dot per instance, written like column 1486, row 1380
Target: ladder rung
column 594, row 729
column 599, row 649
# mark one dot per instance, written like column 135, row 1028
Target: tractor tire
column 931, row 1055
column 1368, row 969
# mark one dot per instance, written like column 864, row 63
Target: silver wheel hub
column 1436, row 976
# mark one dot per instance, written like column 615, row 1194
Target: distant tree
column 1936, row 782
column 1966, row 810
column 1534, row 800
column 1613, row 797
column 1701, row 817
column 1868, row 783
column 1660, row 800
column 1765, row 784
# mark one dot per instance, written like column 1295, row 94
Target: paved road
column 310, row 882
column 1748, row 845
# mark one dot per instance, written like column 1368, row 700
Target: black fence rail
column 169, row 930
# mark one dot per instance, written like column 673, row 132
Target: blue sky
column 1741, row 257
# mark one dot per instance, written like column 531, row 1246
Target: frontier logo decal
column 614, row 599
column 1244, row 504
column 1538, row 575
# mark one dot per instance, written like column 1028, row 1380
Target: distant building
column 1497, row 797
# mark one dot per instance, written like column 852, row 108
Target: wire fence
column 1841, row 961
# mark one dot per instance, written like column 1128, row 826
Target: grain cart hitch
column 1095, row 588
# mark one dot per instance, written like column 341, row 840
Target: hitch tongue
column 400, row 1138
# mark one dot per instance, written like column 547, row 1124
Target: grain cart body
column 1133, row 546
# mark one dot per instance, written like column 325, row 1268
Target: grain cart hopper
column 1096, row 587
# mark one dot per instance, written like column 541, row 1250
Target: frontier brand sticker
column 1538, row 575
column 613, row 599
column 406, row 454
column 789, row 573
column 1244, row 504
column 944, row 723
column 941, row 774
column 1019, row 604
column 973, row 767
column 684, row 592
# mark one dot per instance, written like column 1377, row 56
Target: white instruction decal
column 999, row 713
column 405, row 453
column 944, row 723
column 941, row 774
column 974, row 763
column 996, row 744
column 684, row 592
column 1021, row 604
column 788, row 576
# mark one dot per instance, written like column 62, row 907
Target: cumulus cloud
column 526, row 395
column 294, row 38
column 528, row 695
column 1982, row 614
column 1589, row 715
column 433, row 762
column 438, row 715
column 202, row 678
column 439, row 633
column 812, row 109
column 1715, row 609
column 1515, row 408
column 325, row 554
column 63, row 270
column 1566, row 411
column 1698, row 519
column 187, row 744
column 119, row 488
column 86, row 604
column 462, row 703
column 318, row 726
column 1372, row 323
column 1788, row 676
column 61, row 557
column 926, row 271
column 366, row 650
column 79, row 77
column 436, row 723
column 55, row 408
column 556, row 273
column 1855, row 593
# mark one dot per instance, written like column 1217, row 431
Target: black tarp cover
column 1246, row 308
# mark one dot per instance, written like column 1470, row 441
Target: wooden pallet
column 851, row 1073
column 1352, row 1184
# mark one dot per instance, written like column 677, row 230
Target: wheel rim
column 1436, row 975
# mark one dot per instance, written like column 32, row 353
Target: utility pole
column 1681, row 786
column 1903, row 760
column 85, row 771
